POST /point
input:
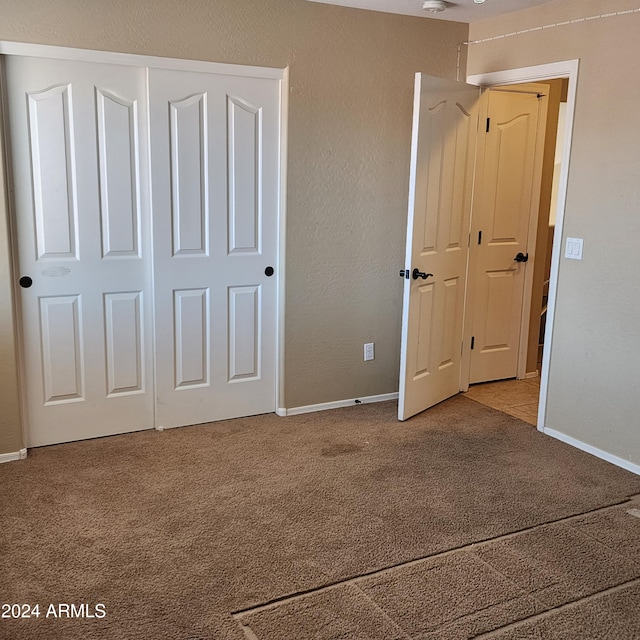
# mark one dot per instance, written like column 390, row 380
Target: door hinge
column 479, row 237
column 488, row 124
column 473, row 342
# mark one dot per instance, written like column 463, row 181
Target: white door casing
column 442, row 161
column 562, row 69
column 78, row 138
column 505, row 213
column 215, row 181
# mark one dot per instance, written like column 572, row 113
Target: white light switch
column 574, row 248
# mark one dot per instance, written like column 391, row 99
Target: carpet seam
column 383, row 613
column 249, row 633
column 548, row 523
column 563, row 607
column 239, row 613
column 607, row 547
column 509, row 580
column 467, row 616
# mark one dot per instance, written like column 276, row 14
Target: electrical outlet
column 368, row 351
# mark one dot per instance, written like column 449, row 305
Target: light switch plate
column 574, row 248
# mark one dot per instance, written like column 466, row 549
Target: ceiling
column 458, row 10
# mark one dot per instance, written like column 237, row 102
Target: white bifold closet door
column 215, row 185
column 104, row 300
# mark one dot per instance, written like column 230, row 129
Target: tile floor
column 518, row 398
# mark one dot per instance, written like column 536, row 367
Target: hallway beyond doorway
column 518, row 398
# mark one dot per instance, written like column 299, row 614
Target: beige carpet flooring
column 342, row 525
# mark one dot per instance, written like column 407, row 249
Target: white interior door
column 78, row 147
column 442, row 157
column 215, row 184
column 505, row 209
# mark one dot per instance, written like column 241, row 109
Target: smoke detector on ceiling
column 434, row 6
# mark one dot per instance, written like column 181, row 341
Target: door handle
column 404, row 273
column 416, row 273
column 522, row 257
column 25, row 282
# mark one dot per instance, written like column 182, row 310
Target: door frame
column 564, row 69
column 8, row 48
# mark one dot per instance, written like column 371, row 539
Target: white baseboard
column 338, row 404
column 15, row 455
column 594, row 451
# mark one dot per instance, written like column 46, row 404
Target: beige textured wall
column 351, row 75
column 595, row 358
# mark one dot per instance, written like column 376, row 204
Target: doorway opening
column 440, row 230
column 525, row 396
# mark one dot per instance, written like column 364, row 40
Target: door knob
column 416, row 273
column 522, row 257
column 268, row 271
column 25, row 282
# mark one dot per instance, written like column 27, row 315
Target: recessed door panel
column 245, row 175
column 125, row 343
column 450, row 310
column 51, row 137
column 189, row 175
column 119, row 177
column 424, row 324
column 62, row 349
column 191, row 312
column 510, row 177
column 457, row 222
column 436, row 132
column 245, row 332
column 500, row 296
